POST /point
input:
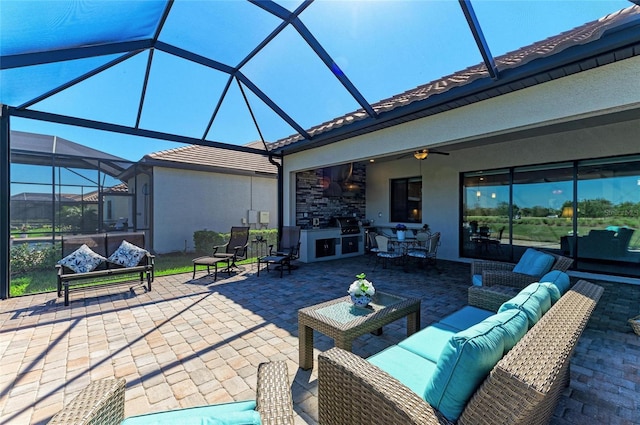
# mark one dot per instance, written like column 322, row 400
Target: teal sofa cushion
column 534, row 263
column 476, row 280
column 466, row 361
column 514, row 323
column 553, row 290
column 534, row 301
column 559, row 279
column 466, row 317
column 412, row 370
column 237, row 413
column 429, row 342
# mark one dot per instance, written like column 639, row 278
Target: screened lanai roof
column 225, row 73
column 40, row 149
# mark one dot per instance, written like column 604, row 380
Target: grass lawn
column 45, row 281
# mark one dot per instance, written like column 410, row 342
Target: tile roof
column 93, row 196
column 223, row 160
column 578, row 36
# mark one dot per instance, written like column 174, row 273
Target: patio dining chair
column 386, row 252
column 288, row 250
column 427, row 253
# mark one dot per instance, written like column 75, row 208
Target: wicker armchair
column 523, row 388
column 500, row 283
column 102, row 402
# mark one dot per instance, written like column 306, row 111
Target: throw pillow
column 465, row 362
column 127, row 255
column 534, row 263
column 82, row 260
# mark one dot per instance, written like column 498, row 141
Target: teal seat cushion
column 559, row 279
column 409, row 368
column 534, row 263
column 466, row 317
column 534, row 301
column 476, row 280
column 238, row 413
column 430, row 341
column 466, row 361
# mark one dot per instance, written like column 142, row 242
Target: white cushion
column 127, row 255
column 82, row 260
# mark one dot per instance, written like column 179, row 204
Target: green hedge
column 205, row 240
column 24, row 258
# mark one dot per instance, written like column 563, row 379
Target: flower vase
column 361, row 301
column 400, row 234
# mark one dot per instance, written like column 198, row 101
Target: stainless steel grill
column 347, row 225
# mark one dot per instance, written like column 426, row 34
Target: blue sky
column 384, row 47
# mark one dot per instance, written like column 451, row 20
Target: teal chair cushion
column 430, row 341
column 534, row 263
column 467, row 359
column 237, row 413
column 476, row 280
column 534, row 301
column 559, row 279
column 466, row 317
column 412, row 370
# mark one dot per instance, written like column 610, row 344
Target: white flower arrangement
column 361, row 287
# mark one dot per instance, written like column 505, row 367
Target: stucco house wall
column 185, row 201
column 586, row 115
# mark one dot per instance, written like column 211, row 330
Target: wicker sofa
column 103, row 244
column 522, row 388
column 102, row 403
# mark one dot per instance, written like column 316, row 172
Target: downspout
column 280, row 191
column 5, row 198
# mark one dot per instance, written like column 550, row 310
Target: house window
column 588, row 210
column 109, row 210
column 406, row 200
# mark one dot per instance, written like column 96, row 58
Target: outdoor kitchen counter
column 329, row 244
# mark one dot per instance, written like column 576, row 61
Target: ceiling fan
column 422, row 154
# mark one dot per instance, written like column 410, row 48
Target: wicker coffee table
column 342, row 321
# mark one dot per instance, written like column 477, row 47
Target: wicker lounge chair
column 523, row 388
column 500, row 283
column 102, row 402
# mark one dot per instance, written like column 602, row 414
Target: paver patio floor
column 193, row 342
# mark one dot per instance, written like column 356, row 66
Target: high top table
column 342, row 321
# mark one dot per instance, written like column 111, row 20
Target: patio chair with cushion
column 235, row 249
column 102, row 402
column 386, row 252
column 428, row 250
column 532, row 265
column 288, row 250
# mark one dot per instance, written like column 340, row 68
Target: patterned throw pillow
column 127, row 255
column 82, row 260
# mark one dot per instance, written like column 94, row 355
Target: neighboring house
column 563, row 113
column 117, row 213
column 197, row 187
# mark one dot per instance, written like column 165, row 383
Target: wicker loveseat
column 522, row 388
column 102, row 403
column 103, row 244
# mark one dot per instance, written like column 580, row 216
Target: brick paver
column 191, row 342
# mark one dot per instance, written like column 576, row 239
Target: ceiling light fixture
column 423, row 154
